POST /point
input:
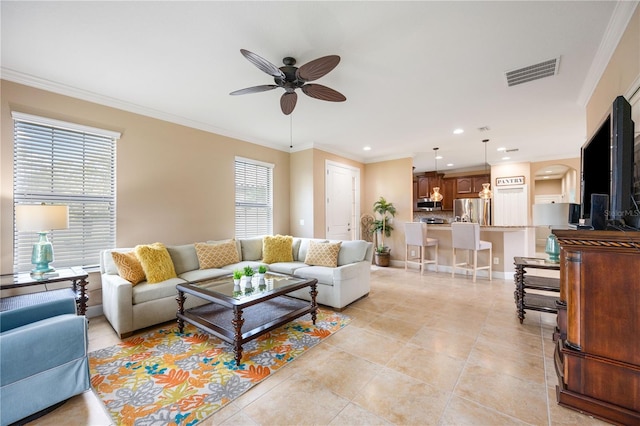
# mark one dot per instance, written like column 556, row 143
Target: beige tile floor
column 420, row 350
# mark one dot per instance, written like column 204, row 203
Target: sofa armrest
column 350, row 271
column 42, row 345
column 117, row 302
column 18, row 317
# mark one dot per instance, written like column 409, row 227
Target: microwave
column 429, row 205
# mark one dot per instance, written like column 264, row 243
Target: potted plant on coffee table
column 382, row 226
column 248, row 275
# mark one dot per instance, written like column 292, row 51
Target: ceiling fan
column 290, row 78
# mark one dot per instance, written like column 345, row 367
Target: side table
column 535, row 301
column 77, row 277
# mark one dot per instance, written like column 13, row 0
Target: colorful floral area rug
column 168, row 378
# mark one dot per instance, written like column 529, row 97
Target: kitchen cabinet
column 424, row 187
column 478, row 181
column 426, row 183
column 448, row 191
column 469, row 186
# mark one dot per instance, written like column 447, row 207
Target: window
column 254, row 198
column 67, row 164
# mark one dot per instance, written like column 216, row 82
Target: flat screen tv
column 607, row 163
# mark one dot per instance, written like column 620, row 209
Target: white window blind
column 254, row 198
column 65, row 164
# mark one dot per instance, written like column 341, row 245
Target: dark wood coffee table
column 238, row 314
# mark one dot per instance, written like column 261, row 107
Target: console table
column 597, row 354
column 535, row 301
column 76, row 276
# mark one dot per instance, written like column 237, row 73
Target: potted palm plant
column 382, row 226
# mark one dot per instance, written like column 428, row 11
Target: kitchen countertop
column 490, row 228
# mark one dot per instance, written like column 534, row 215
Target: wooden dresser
column 597, row 355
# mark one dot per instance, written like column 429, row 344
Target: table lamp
column 42, row 218
column 553, row 215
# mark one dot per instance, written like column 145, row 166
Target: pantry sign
column 513, row 180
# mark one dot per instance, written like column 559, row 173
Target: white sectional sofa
column 129, row 308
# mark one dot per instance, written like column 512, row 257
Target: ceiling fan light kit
column 289, row 77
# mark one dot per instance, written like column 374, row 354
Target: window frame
column 63, row 163
column 255, row 201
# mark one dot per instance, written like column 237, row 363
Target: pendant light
column 486, row 193
column 436, row 195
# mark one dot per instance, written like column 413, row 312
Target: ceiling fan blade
column 254, row 89
column 262, row 64
column 317, row 68
column 324, row 93
column 288, row 102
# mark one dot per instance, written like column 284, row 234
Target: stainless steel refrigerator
column 474, row 210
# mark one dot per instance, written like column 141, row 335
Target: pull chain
column 290, row 131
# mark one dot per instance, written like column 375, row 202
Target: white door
column 342, row 188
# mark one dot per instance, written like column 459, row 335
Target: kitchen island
column 507, row 241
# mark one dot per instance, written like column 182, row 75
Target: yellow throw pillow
column 129, row 266
column 217, row 255
column 277, row 248
column 323, row 254
column 156, row 262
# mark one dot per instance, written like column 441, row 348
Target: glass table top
column 258, row 286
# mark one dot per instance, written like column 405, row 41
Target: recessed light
column 547, row 171
column 506, row 158
column 367, row 148
column 545, row 177
column 458, row 131
column 439, row 157
column 501, row 149
column 450, row 165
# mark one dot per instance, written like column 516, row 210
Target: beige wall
column 392, row 180
column 174, row 183
column 301, row 190
column 621, row 72
column 549, row 187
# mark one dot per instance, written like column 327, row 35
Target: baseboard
column 94, row 311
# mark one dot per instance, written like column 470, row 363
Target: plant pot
column 382, row 259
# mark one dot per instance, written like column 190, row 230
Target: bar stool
column 415, row 234
column 466, row 236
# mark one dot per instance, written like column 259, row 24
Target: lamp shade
column 41, row 217
column 555, row 215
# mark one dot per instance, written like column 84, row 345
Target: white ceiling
column 412, row 72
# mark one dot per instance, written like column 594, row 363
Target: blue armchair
column 43, row 358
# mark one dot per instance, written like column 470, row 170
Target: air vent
column 483, row 128
column 533, row 72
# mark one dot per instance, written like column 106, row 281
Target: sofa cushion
column 129, row 267
column 146, row 292
column 304, row 247
column 156, row 262
column 323, row 274
column 323, row 254
column 203, row 274
column 217, row 255
column 287, row 267
column 251, row 248
column 295, row 249
column 352, row 252
column 277, row 248
column 184, row 257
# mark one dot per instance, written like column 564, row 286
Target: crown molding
column 62, row 89
column 617, row 25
